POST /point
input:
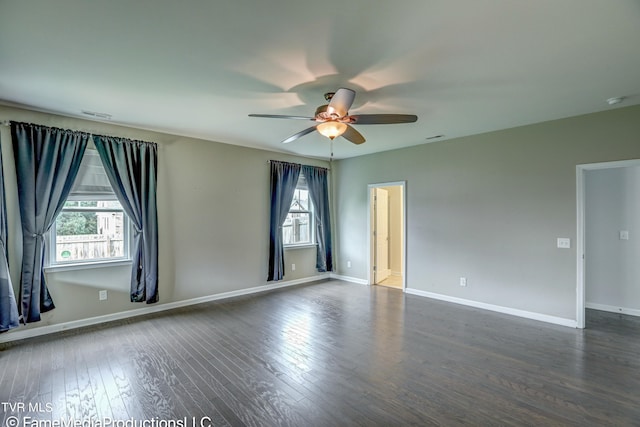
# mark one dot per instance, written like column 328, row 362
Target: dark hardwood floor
column 331, row 354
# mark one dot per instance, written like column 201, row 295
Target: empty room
column 291, row 213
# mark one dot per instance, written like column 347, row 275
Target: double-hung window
column 92, row 226
column 297, row 229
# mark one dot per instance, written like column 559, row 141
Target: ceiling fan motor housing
column 325, row 113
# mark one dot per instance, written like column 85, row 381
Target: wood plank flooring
column 332, row 354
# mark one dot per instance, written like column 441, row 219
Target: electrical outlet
column 348, row 264
column 293, row 267
column 463, row 281
column 564, row 243
column 102, row 295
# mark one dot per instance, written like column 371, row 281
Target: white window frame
column 312, row 223
column 50, row 255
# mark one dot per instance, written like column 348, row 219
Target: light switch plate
column 564, row 243
column 624, row 235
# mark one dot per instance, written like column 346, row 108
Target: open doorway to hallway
column 387, row 234
column 608, row 246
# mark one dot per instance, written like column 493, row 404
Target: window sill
column 86, row 266
column 304, row 246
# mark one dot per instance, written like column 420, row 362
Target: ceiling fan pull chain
column 331, row 157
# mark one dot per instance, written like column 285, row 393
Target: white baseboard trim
column 613, row 309
column 18, row 334
column 350, row 279
column 497, row 308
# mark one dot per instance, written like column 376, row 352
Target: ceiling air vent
column 103, row 116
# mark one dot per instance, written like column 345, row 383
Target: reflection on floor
column 392, row 282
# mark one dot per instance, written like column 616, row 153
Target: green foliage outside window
column 74, row 223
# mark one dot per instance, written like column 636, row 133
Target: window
column 92, row 227
column 298, row 227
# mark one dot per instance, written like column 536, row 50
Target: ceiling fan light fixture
column 331, row 129
column 333, row 118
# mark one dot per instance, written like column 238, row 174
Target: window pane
column 75, row 223
column 82, row 236
column 296, row 229
column 110, row 204
column 300, row 200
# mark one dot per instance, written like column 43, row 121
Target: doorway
column 607, row 250
column 387, row 266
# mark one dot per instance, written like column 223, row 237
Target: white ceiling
column 199, row 67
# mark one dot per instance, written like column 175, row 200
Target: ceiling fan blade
column 278, row 116
column 382, row 119
column 341, row 101
column 299, row 134
column 353, row 135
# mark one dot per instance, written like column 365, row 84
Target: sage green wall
column 213, row 215
column 487, row 207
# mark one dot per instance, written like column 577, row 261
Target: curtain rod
column 280, row 161
column 90, row 133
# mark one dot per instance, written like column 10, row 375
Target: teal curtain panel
column 47, row 162
column 319, row 193
column 9, row 317
column 131, row 167
column 284, row 178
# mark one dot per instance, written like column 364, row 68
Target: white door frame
column 581, row 171
column 403, row 185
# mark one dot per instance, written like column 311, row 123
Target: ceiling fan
column 334, row 120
